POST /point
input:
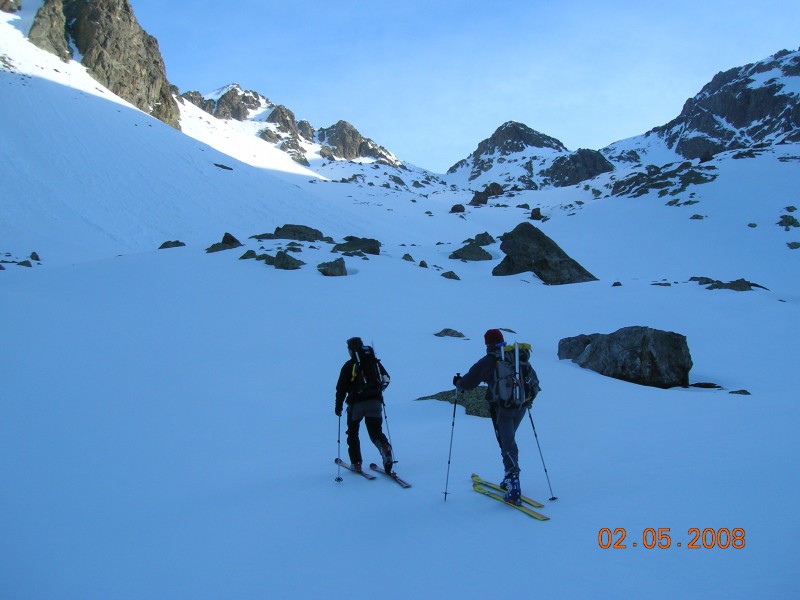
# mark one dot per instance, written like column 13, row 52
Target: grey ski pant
column 506, row 422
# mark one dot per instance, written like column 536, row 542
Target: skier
column 505, row 420
column 364, row 399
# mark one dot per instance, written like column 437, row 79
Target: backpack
column 367, row 380
column 515, row 381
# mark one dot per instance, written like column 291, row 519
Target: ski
column 348, row 466
column 394, row 476
column 494, row 486
column 528, row 511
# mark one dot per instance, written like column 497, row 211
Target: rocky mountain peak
column 738, row 108
column 346, row 142
column 513, row 137
column 115, row 50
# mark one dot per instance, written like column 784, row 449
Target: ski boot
column 514, row 493
column 386, row 456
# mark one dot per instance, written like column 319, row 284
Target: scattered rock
column 248, row 255
column 25, row 263
column 457, row 208
column 474, row 401
column 334, row 268
column 471, row 252
column 739, row 285
column 357, row 244
column 408, row 257
column 300, row 233
column 173, row 244
column 449, row 333
column 740, row 392
column 228, row 243
column 451, row 275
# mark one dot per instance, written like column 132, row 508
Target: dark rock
column 300, row 233
column 237, row 103
column 346, row 142
column 528, row 249
column 536, row 214
column 334, row 268
column 284, row 119
column 484, row 239
column 285, row 261
column 740, row 392
column 248, row 255
column 114, row 48
column 509, row 138
column 738, row 285
column 173, row 244
column 637, row 354
column 471, row 252
column 35, row 257
column 788, row 221
column 449, row 333
column 578, row 166
column 10, row 6
column 25, row 263
column 490, row 191
column 228, row 243
column 451, row 275
column 735, row 110
column 408, row 257
column 357, row 244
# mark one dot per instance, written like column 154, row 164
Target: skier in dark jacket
column 362, row 406
column 505, row 420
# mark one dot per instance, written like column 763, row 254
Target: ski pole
column 339, row 452
column 388, row 433
column 450, row 454
column 552, row 496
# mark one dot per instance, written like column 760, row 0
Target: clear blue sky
column 429, row 80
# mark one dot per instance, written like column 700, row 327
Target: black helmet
column 355, row 343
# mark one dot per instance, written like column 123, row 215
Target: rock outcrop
column 640, row 355
column 114, row 48
column 528, row 249
column 739, row 108
column 344, row 141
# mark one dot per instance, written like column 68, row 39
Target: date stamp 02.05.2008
column 661, row 537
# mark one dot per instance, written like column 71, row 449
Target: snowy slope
column 166, row 417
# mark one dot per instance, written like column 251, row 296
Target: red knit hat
column 493, row 337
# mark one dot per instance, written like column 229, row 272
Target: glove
column 338, row 411
column 456, row 379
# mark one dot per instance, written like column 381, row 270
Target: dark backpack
column 515, row 382
column 367, row 381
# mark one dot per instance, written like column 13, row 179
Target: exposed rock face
column 573, row 168
column 116, row 51
column 197, row 99
column 528, row 249
column 509, row 138
column 347, row 143
column 49, row 30
column 667, row 181
column 637, row 354
column 236, row 104
column 284, row 119
column 739, row 108
column 10, row 6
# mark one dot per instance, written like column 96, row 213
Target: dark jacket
column 482, row 371
column 346, row 387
